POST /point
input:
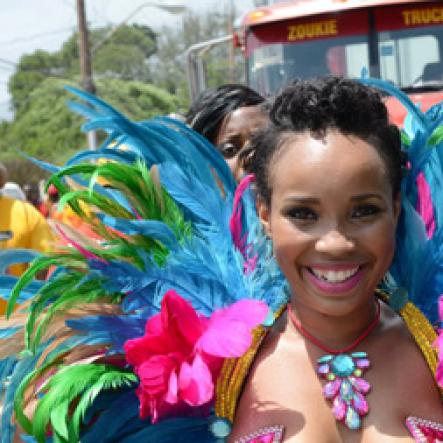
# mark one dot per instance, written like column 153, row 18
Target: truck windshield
column 412, row 58
column 274, row 65
column 407, row 51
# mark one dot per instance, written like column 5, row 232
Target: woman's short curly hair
column 317, row 105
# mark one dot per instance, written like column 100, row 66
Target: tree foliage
column 168, row 67
column 123, row 55
column 50, row 131
column 127, row 63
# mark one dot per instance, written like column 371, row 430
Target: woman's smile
column 333, row 281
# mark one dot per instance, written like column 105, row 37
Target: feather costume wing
column 157, row 236
column 419, row 234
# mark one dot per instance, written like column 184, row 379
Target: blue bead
column 352, row 419
column 398, row 298
column 324, row 359
column 359, row 354
column 220, row 427
column 346, row 391
column 342, row 365
column 270, row 319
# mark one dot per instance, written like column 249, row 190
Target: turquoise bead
column 220, row 427
column 270, row 319
column 325, row 359
column 346, row 391
column 352, row 419
column 398, row 298
column 342, row 365
column 359, row 354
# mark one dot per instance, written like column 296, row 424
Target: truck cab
column 400, row 41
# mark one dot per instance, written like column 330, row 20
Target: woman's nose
column 334, row 242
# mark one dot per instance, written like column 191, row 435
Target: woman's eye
column 228, row 150
column 302, row 214
column 364, row 211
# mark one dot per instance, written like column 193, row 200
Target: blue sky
column 27, row 25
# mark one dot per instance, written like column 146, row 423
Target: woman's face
column 235, row 131
column 332, row 220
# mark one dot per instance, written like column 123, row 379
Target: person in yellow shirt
column 21, row 226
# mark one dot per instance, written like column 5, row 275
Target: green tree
column 49, row 130
column 124, row 55
column 169, row 64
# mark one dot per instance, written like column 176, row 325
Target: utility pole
column 231, row 61
column 83, row 46
column 85, row 61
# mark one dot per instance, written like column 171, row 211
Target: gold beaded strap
column 234, row 372
column 233, row 375
column 423, row 333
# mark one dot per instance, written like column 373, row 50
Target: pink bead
column 360, row 384
column 339, row 408
column 360, row 404
column 330, row 389
column 323, row 369
column 363, row 363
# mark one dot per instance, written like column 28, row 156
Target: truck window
column 411, row 44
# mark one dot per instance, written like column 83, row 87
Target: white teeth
column 334, row 276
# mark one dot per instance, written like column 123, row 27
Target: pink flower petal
column 195, row 382
column 154, row 325
column 250, row 312
column 141, row 349
column 172, row 394
column 180, row 319
column 229, row 330
column 438, row 343
column 154, row 374
column 439, row 374
column 230, row 338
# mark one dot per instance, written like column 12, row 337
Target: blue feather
column 150, row 228
column 10, row 257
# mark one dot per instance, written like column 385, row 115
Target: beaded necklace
column 342, row 371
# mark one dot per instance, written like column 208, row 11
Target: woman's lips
column 335, row 287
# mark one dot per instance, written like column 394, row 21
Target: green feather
column 19, row 407
column 82, row 382
column 436, row 136
column 39, row 264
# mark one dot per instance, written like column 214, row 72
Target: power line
column 32, row 37
column 8, row 62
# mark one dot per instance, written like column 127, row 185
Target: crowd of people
column 324, row 350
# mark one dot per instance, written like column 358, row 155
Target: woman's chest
column 285, row 388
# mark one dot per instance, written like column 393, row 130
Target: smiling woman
column 179, row 325
column 328, row 173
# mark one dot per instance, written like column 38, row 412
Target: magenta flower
column 439, row 345
column 179, row 358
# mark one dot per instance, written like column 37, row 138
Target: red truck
column 400, row 41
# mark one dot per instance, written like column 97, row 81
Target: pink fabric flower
column 439, row 345
column 179, row 358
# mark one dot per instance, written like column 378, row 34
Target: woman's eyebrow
column 302, row 199
column 361, row 197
